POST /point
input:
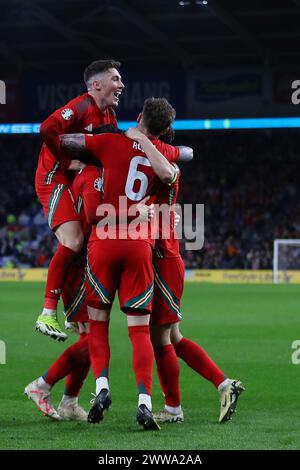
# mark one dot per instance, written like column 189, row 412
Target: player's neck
column 145, row 131
column 99, row 102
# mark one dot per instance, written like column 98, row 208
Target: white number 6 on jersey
column 133, row 175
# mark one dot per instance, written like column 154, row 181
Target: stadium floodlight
column 286, row 257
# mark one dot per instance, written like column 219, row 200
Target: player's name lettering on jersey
column 137, row 146
column 89, row 128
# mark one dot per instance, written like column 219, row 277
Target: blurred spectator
column 247, row 180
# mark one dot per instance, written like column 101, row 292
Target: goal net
column 286, row 258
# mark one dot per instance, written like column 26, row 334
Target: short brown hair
column 99, row 66
column 158, row 115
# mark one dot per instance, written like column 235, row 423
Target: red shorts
column 58, row 204
column 168, row 288
column 123, row 265
column 73, row 294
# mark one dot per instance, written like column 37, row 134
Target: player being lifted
column 124, row 263
column 55, row 173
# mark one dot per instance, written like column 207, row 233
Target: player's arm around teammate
column 124, row 265
column 166, row 172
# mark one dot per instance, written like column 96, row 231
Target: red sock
column 199, row 360
column 70, row 360
column 99, row 347
column 75, row 380
column 168, row 373
column 57, row 273
column 142, row 357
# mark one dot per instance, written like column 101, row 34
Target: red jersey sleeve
column 171, row 153
column 60, row 122
column 66, row 117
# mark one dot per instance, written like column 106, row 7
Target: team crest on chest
column 67, row 113
column 98, row 184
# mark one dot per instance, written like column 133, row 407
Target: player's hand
column 134, row 134
column 146, row 213
column 176, row 219
column 76, row 165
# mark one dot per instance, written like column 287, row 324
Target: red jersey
column 167, row 247
column 127, row 171
column 79, row 115
column 87, row 192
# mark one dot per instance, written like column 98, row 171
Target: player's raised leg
column 54, row 174
column 64, row 221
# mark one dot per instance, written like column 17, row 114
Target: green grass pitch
column 248, row 330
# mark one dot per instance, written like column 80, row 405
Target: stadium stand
column 229, row 173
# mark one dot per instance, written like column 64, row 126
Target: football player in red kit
column 125, row 264
column 55, row 173
column 166, row 337
column 74, row 362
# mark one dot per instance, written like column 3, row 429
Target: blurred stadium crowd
column 248, row 182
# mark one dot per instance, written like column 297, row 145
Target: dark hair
column 107, row 128
column 158, row 115
column 99, row 66
column 169, row 136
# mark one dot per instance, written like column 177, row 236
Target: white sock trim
column 69, row 401
column 174, row 410
column 43, row 384
column 48, row 312
column 224, row 384
column 101, row 382
column 145, row 399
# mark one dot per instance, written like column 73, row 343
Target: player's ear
column 96, row 85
